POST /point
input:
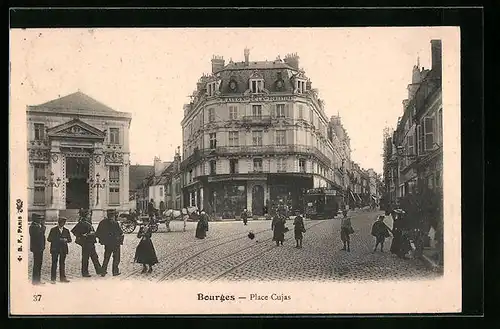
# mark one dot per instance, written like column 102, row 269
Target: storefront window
column 230, row 200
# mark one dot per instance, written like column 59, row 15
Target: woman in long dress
column 202, row 226
column 278, row 227
column 298, row 230
column 145, row 253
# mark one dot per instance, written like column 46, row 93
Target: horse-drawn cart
column 130, row 221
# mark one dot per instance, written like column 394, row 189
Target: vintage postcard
column 235, row 171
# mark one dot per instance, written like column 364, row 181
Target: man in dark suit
column 37, row 246
column 85, row 237
column 59, row 237
column 110, row 235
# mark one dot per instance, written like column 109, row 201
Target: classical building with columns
column 78, row 151
column 254, row 133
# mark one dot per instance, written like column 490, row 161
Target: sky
column 361, row 74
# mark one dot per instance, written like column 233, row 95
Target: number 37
column 37, row 298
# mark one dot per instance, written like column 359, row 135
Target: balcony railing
column 272, row 149
column 257, row 120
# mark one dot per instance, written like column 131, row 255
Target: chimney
column 247, row 55
column 292, row 60
column 217, row 63
column 157, row 166
column 436, row 56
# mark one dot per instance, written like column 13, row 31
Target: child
column 145, row 252
column 345, row 231
column 380, row 231
column 299, row 228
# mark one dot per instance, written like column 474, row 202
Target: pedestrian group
column 110, row 235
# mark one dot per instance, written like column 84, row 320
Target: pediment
column 76, row 129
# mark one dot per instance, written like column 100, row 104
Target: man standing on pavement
column 151, row 210
column 85, row 237
column 244, row 217
column 110, row 235
column 59, row 238
column 37, row 246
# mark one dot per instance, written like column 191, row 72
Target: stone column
column 55, row 166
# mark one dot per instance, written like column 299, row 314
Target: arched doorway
column 258, row 200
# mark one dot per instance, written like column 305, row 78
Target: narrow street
column 227, row 254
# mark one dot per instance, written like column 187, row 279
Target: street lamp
column 50, row 182
column 98, row 184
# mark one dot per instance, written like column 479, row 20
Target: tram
column 322, row 203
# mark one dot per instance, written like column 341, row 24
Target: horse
column 184, row 214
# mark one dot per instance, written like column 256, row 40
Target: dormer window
column 300, row 86
column 211, row 88
column 256, row 85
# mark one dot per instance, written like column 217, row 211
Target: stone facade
column 71, row 141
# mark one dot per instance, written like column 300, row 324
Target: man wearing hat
column 37, row 246
column 85, row 237
column 59, row 238
column 111, row 236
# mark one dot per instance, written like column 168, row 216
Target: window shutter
column 287, row 110
column 429, row 133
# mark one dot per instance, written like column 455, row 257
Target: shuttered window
column 233, row 112
column 429, row 133
column 233, row 138
column 213, row 140
column 420, row 138
column 281, row 165
column 211, row 115
column 280, row 137
column 257, row 165
column 411, row 145
column 39, row 131
column 114, row 135
column 257, row 138
column 257, row 110
column 280, row 110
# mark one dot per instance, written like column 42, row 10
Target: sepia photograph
column 235, row 170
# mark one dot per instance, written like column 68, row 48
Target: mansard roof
column 78, row 103
column 268, row 71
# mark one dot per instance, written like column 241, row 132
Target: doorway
column 77, row 188
column 258, row 200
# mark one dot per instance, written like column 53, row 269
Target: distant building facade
column 78, row 151
column 415, row 162
column 255, row 133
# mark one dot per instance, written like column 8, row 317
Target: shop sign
column 258, row 99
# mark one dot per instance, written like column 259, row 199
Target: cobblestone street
column 228, row 254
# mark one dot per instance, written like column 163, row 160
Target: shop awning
column 359, row 198
column 374, row 198
column 352, row 195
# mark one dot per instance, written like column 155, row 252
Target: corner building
column 255, row 133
